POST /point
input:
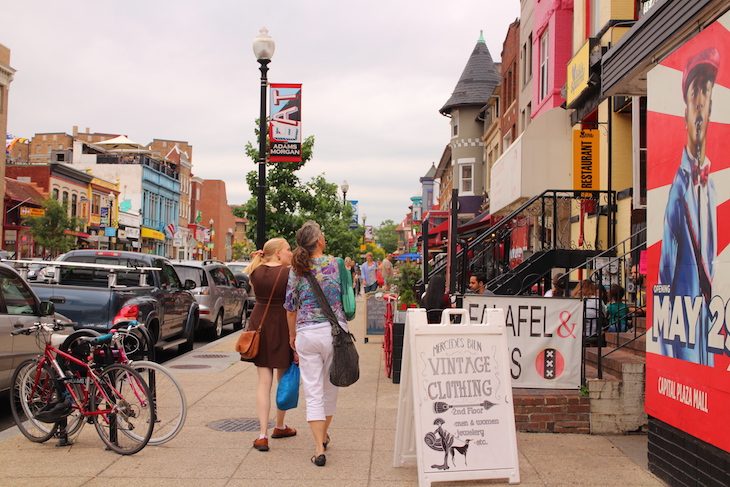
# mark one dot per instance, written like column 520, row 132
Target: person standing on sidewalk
column 368, row 273
column 269, row 270
column 387, row 271
column 310, row 332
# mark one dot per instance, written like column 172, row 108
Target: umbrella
column 412, row 255
column 121, row 144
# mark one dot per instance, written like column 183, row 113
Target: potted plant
column 405, row 280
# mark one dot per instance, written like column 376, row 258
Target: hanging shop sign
column 285, row 126
column 455, row 400
column 27, row 211
column 586, row 160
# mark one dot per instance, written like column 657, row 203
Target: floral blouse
column 301, row 298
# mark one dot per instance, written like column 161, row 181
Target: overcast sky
column 374, row 76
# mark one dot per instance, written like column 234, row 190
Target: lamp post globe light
column 263, row 49
column 344, row 187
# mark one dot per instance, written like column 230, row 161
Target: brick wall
column 551, row 411
column 683, row 460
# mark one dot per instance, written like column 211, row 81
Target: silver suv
column 221, row 297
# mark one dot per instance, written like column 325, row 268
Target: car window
column 195, row 274
column 229, row 275
column 171, row 277
column 124, row 278
column 17, row 297
column 219, row 277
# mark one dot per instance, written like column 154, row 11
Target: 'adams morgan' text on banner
column 544, row 336
column 285, row 127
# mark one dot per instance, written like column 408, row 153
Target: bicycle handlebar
column 40, row 326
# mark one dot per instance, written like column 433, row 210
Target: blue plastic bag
column 287, row 394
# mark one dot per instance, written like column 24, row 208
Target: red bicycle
column 47, row 399
column 388, row 333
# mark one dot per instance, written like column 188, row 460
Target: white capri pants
column 314, row 347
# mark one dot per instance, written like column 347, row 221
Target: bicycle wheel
column 28, row 396
column 388, row 349
column 122, row 407
column 171, row 407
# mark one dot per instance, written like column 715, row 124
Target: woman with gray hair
column 310, row 332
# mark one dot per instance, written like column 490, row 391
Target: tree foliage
column 387, row 237
column 290, row 202
column 49, row 230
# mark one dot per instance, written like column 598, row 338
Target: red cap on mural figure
column 709, row 59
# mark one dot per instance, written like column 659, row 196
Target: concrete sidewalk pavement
column 211, row 450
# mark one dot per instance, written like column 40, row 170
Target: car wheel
column 240, row 323
column 217, row 330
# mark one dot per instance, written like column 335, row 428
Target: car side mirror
column 47, row 308
column 190, row 284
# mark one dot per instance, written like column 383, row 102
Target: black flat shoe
column 319, row 460
column 326, row 443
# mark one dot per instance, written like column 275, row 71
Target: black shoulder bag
column 345, row 369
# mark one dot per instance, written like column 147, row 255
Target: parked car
column 239, row 271
column 19, row 308
column 146, row 288
column 222, row 297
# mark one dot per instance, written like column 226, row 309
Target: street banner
column 354, row 223
column 544, row 337
column 285, row 126
column 688, row 260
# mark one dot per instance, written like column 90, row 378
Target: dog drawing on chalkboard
column 440, row 440
column 460, row 449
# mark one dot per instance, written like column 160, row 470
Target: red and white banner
column 688, row 268
column 285, row 126
column 544, row 337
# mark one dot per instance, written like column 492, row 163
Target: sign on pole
column 455, row 403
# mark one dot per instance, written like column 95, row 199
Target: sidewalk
column 221, row 388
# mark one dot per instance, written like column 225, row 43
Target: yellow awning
column 149, row 233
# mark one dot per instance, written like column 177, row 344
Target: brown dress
column 274, row 349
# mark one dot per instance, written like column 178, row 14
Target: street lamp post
column 263, row 49
column 344, row 187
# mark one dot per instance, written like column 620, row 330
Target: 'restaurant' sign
column 285, row 127
column 586, row 160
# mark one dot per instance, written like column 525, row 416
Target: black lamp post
column 344, row 187
column 263, row 49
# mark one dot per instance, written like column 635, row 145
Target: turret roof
column 477, row 82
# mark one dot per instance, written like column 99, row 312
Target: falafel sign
column 544, row 337
column 456, row 400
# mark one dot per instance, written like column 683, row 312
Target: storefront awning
column 149, row 233
column 76, row 234
column 481, row 221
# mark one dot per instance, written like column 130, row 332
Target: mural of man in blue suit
column 689, row 243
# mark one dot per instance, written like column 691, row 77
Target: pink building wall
column 555, row 16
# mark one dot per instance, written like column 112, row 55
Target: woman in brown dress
column 269, row 271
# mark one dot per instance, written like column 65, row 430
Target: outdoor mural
column 688, row 273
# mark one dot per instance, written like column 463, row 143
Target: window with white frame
column 544, row 71
column 455, row 123
column 466, row 176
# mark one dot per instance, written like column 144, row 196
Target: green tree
column 387, row 237
column 49, row 230
column 290, row 202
